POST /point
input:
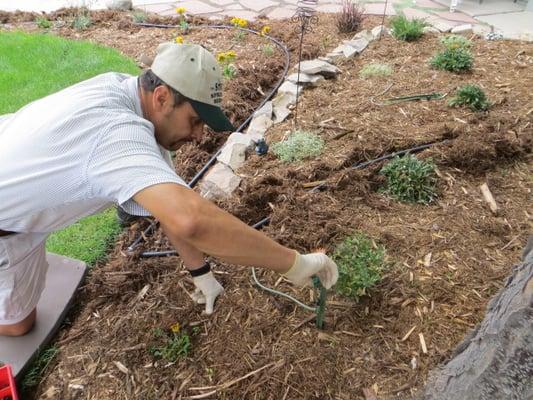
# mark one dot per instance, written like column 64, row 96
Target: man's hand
column 207, row 290
column 307, row 265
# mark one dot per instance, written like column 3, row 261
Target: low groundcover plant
column 360, row 263
column 298, row 146
column 410, row 179
column 471, row 96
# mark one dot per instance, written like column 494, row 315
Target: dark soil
column 447, row 259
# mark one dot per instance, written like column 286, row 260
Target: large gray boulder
column 495, row 361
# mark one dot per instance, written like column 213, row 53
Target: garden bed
column 446, row 259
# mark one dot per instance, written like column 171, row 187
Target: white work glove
column 207, row 290
column 307, row 265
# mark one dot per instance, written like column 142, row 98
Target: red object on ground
column 8, row 390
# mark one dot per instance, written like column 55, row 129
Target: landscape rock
column 466, row 28
column 233, row 153
column 364, row 35
column 358, row 44
column 333, row 57
column 119, row 4
column 219, row 183
column 314, row 67
column 441, row 25
column 344, row 50
column 290, row 88
column 281, row 104
column 305, row 79
column 259, row 125
column 265, row 110
column 379, row 31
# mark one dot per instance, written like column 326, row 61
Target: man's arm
column 188, row 217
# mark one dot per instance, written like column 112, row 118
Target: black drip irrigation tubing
column 212, row 160
column 361, row 165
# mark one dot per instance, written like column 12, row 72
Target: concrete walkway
column 487, row 15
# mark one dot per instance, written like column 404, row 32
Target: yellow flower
column 231, row 54
column 179, row 39
column 265, row 30
column 241, row 22
column 181, row 10
column 176, row 327
column 221, row 57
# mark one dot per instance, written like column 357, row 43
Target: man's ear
column 162, row 99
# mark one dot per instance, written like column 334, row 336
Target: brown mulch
column 447, row 259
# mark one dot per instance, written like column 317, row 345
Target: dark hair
column 149, row 81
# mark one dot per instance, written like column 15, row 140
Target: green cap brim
column 213, row 116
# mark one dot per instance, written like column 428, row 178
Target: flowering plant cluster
column 226, row 59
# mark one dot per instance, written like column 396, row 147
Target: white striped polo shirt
column 76, row 152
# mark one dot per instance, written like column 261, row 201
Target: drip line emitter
column 305, row 14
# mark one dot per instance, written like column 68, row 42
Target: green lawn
column 34, row 66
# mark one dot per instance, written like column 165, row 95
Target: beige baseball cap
column 194, row 72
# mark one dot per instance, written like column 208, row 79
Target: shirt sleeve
column 126, row 160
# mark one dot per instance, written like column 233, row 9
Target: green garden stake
column 321, row 303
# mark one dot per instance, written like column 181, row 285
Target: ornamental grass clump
column 471, row 96
column 370, row 70
column 407, row 30
column 350, row 18
column 298, row 146
column 456, row 56
column 410, row 180
column 361, row 263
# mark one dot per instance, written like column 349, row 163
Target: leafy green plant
column 81, row 22
column 360, row 264
column 454, row 41
column 43, row 23
column 176, row 344
column 298, row 146
column 375, row 70
column 410, row 179
column 471, row 96
column 268, row 50
column 226, row 61
column 453, row 59
column 139, row 17
column 350, row 18
column 408, row 30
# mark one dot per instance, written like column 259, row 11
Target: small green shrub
column 43, row 23
column 410, row 179
column 176, row 344
column 375, row 70
column 81, row 22
column 268, row 50
column 456, row 59
column 350, row 18
column 360, row 265
column 298, row 146
column 454, row 41
column 408, row 30
column 139, row 17
column 471, row 96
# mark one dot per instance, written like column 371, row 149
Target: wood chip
column 423, row 343
column 121, row 367
column 427, row 260
column 408, row 334
column 487, row 195
column 370, row 394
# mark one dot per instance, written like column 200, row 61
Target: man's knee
column 20, row 328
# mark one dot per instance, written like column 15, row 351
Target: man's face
column 175, row 126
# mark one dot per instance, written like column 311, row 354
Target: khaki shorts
column 23, row 269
